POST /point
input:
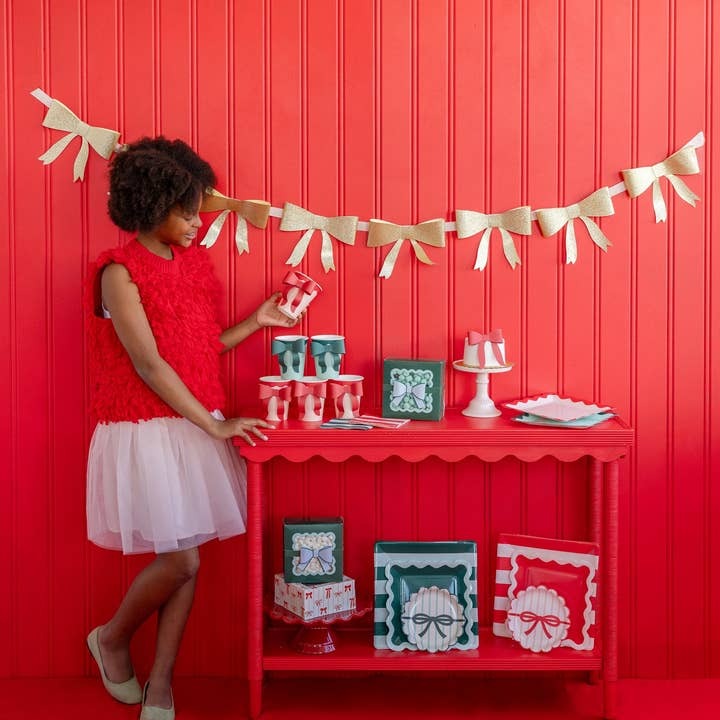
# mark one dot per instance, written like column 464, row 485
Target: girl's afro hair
column 150, row 177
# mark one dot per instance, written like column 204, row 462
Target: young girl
column 163, row 476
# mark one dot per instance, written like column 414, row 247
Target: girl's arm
column 267, row 315
column 121, row 297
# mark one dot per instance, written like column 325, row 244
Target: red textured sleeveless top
column 181, row 300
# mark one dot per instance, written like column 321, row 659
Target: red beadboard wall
column 403, row 110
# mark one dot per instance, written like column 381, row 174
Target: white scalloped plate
column 554, row 407
column 432, row 619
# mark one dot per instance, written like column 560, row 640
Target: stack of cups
column 310, row 391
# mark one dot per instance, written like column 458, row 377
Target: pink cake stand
column 315, row 636
column 481, row 405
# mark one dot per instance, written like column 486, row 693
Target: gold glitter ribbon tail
column 301, row 246
column 389, row 264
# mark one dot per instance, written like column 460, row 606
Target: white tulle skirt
column 162, row 485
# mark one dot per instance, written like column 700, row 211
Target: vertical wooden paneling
column 616, row 301
column 503, row 171
column 30, row 352
column 403, row 110
column 653, row 315
column 711, row 201
column 8, row 392
column 395, row 33
column 686, row 225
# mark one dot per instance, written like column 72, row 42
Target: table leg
column 255, row 610
column 609, row 596
column 596, row 510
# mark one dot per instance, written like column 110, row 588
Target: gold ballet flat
column 128, row 692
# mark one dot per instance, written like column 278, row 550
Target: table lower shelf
column 355, row 651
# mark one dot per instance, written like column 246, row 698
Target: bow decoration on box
column 597, row 204
column 439, row 621
column 316, row 390
column 470, row 222
column 545, row 621
column 323, row 555
column 430, row 232
column 304, row 286
column 256, row 212
column 283, row 348
column 343, row 228
column 102, row 140
column 339, row 389
column 400, row 391
column 682, row 162
column 494, row 338
column 318, row 348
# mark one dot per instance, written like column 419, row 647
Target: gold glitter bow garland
column 682, row 162
column 343, row 228
column 598, row 204
column 102, row 140
column 256, row 212
column 517, row 220
column 430, row 232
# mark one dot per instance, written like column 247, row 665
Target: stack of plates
column 554, row 411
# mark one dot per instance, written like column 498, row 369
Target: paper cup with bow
column 346, row 391
column 327, row 352
column 310, row 393
column 298, row 292
column 275, row 395
column 290, row 351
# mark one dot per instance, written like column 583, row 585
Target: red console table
column 452, row 439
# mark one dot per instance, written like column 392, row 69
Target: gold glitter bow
column 430, row 232
column 256, row 212
column 598, row 204
column 102, row 140
column 683, row 162
column 517, row 220
column 342, row 228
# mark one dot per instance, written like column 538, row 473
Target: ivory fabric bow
column 254, row 211
column 430, row 232
column 551, row 220
column 682, row 162
column 517, row 220
column 342, row 227
column 102, row 140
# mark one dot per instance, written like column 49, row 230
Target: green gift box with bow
column 413, row 389
column 313, row 550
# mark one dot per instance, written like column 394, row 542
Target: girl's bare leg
column 151, row 589
column 172, row 617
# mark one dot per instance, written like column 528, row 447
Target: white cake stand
column 481, row 405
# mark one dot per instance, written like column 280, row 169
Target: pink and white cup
column 298, row 292
column 275, row 394
column 310, row 393
column 345, row 392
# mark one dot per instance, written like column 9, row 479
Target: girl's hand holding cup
column 269, row 314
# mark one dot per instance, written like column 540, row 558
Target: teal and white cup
column 290, row 351
column 327, row 352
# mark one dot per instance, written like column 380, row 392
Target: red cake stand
column 315, row 636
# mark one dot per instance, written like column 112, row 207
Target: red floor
column 378, row 697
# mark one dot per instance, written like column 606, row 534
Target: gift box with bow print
column 313, row 550
column 315, row 601
column 413, row 389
